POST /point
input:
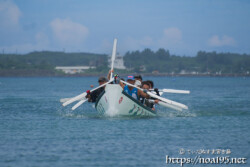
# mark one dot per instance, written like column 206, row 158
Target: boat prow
column 115, row 102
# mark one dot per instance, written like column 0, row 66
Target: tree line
column 204, row 62
column 145, row 61
column 48, row 60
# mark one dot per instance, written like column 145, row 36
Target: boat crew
column 135, row 93
column 94, row 95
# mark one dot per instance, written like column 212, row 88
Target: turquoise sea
column 35, row 130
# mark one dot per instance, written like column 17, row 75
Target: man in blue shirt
column 134, row 92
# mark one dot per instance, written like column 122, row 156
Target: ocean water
column 35, row 130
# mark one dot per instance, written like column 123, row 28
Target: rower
column 115, row 77
column 133, row 92
column 146, row 85
column 109, row 74
column 94, row 95
column 152, row 87
column 138, row 80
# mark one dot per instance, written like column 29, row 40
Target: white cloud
column 69, row 33
column 171, row 36
column 223, row 41
column 9, row 14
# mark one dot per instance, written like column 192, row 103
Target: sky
column 183, row 27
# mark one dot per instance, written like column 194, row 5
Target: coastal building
column 73, row 69
column 118, row 64
column 184, row 72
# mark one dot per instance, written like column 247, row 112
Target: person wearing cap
column 94, row 95
column 134, row 92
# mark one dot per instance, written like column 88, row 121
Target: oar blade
column 64, row 100
column 74, row 99
column 176, row 91
column 78, row 104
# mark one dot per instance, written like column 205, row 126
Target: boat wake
column 172, row 113
column 111, row 112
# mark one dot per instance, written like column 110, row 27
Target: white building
column 118, row 64
column 73, row 69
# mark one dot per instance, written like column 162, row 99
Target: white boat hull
column 116, row 102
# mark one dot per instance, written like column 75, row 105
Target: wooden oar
column 66, row 99
column 158, row 97
column 79, row 103
column 167, row 105
column 159, row 92
column 173, row 91
column 113, row 57
column 84, row 94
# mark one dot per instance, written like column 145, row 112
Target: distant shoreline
column 48, row 73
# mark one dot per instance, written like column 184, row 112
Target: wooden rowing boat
column 114, row 101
